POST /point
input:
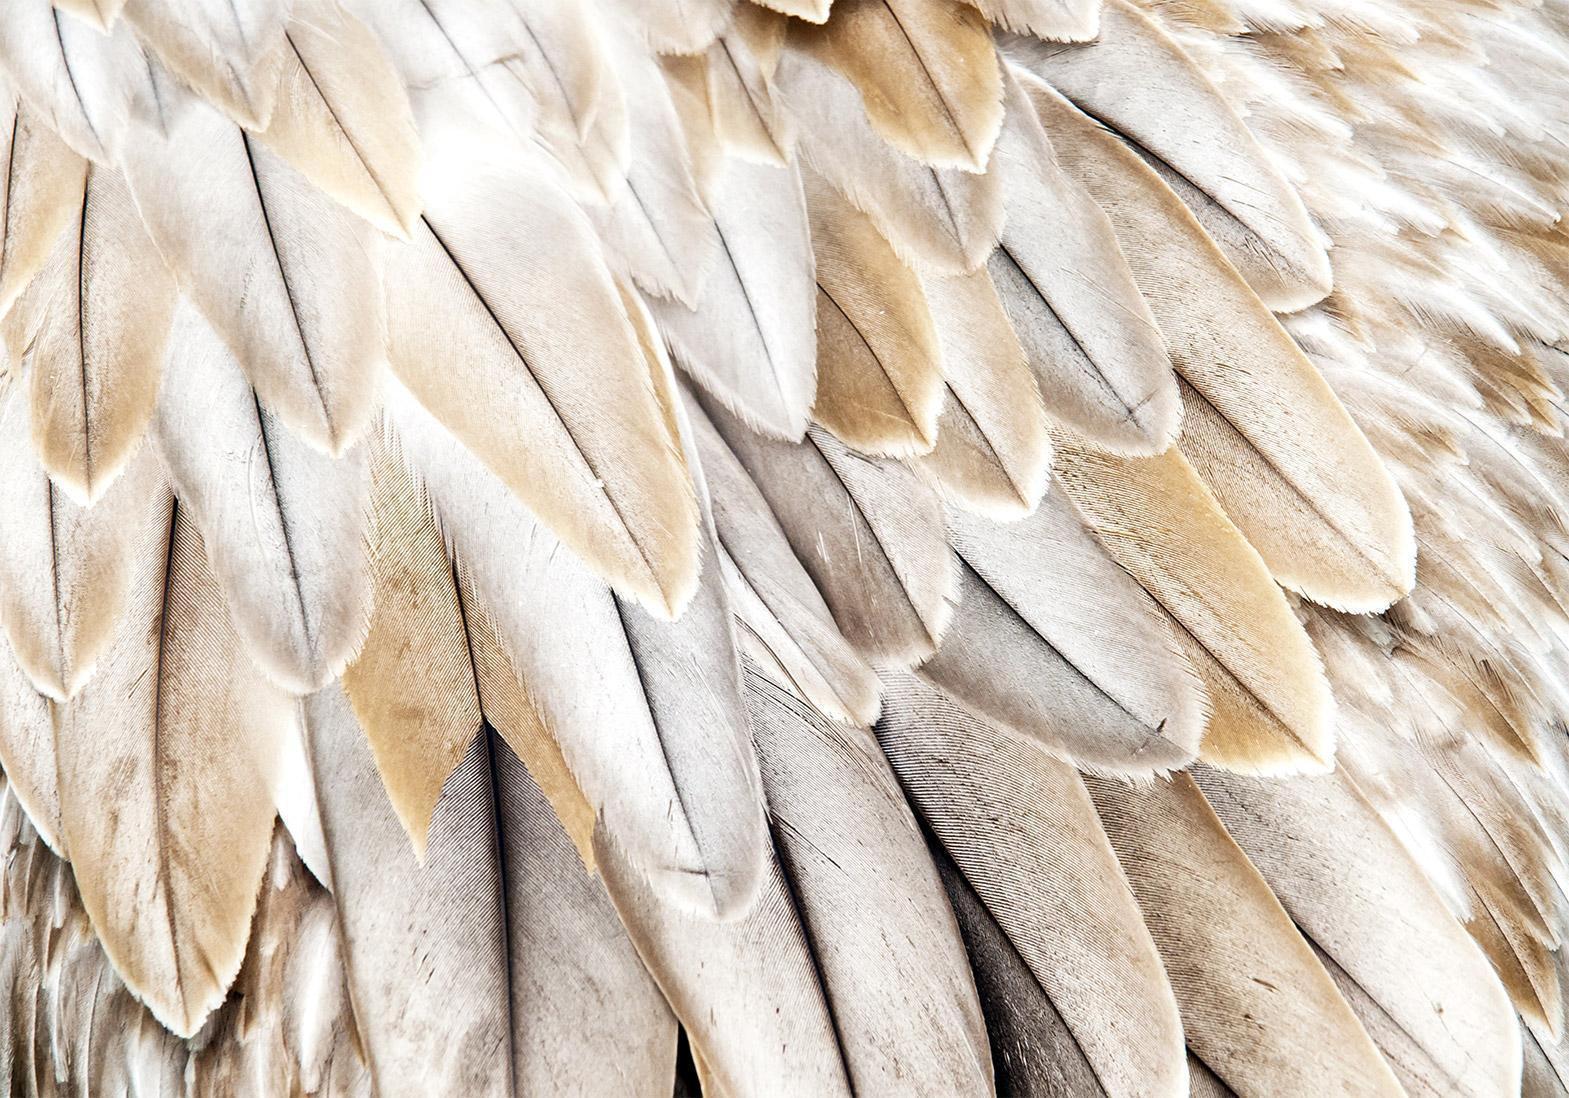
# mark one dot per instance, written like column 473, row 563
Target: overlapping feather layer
column 581, row 546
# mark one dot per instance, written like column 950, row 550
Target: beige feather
column 1074, row 655
column 43, row 185
column 170, row 820
column 65, row 571
column 1257, row 1007
column 27, row 751
column 412, row 685
column 780, row 611
column 1137, row 80
column 285, row 525
column 1262, row 427
column 1023, row 833
column 1422, row 988
column 285, row 275
column 230, row 52
column 993, row 452
column 748, row 115
column 494, row 320
column 342, row 117
column 1088, row 334
column 1271, row 711
column 1053, row 20
column 658, row 230
column 868, row 531
column 926, row 71
column 941, row 218
column 750, row 341
column 100, row 14
column 91, row 330
column 813, row 11
column 879, row 385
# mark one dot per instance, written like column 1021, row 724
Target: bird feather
column 229, row 51
column 1134, row 81
column 993, row 452
column 1270, row 707
column 170, row 820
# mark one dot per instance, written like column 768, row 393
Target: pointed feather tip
column 1263, row 755
column 1286, row 292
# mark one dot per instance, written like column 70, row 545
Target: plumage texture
column 890, row 546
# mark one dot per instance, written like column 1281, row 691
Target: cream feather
column 1087, row 332
column 677, row 785
column 1270, row 707
column 879, row 375
column 659, row 229
column 230, row 52
column 170, row 820
column 412, row 683
column 27, row 751
column 993, row 452
column 1026, row 843
column 66, row 572
column 496, row 352
column 750, row 340
column 43, row 185
column 939, row 217
column 1257, row 1007
column 1076, row 656
column 776, row 604
column 926, row 71
column 91, row 329
column 1423, row 990
column 285, row 525
column 100, row 14
column 1053, row 20
column 1134, row 80
column 868, row 531
column 675, row 26
column 496, row 940
column 1262, row 427
column 342, row 118
column 284, row 274
column 749, row 116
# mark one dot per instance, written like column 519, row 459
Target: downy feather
column 1072, row 653
column 1271, row 712
column 343, row 119
column 867, row 530
column 677, row 785
column 751, row 339
column 229, row 51
column 1261, row 426
column 1257, row 1007
column 1136, row 80
column 66, row 571
column 941, row 218
column 926, row 71
column 170, row 820
column 508, row 328
column 285, row 525
column 1026, row 843
column 993, row 452
column 287, row 276
column 879, row 386
column 1086, row 330
column 91, row 330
